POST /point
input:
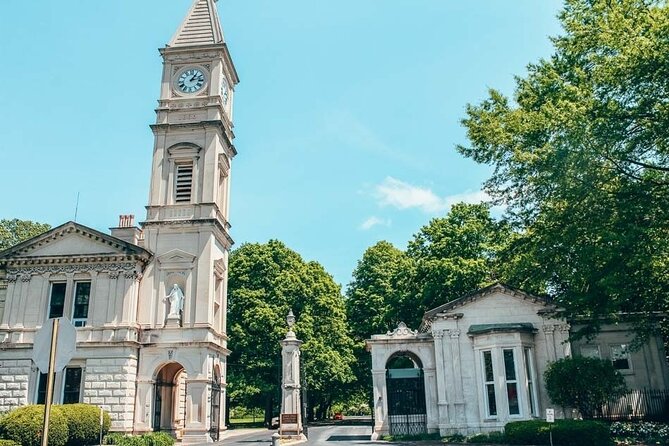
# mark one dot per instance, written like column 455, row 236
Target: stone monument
column 291, row 401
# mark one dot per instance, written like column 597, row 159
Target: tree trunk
column 269, row 403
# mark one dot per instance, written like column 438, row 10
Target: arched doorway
column 405, row 384
column 169, row 401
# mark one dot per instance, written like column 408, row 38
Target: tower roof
column 200, row 27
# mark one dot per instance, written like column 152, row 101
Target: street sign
column 550, row 415
column 66, row 345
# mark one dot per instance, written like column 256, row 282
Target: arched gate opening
column 169, row 400
column 405, row 384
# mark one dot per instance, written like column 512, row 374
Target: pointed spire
column 200, row 27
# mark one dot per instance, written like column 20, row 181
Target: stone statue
column 176, row 300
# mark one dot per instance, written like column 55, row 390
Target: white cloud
column 401, row 195
column 374, row 221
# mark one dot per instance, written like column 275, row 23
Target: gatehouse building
column 478, row 361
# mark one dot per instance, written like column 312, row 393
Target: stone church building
column 148, row 301
column 478, row 362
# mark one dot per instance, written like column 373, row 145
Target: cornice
column 222, row 231
column 217, row 124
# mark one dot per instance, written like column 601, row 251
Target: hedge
column 150, row 439
column 83, row 423
column 565, row 433
column 9, row 443
column 24, row 426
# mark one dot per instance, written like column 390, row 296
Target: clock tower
column 183, row 295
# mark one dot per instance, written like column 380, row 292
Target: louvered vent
column 184, row 185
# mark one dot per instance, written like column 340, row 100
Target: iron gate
column 215, row 422
column 407, row 414
column 158, row 403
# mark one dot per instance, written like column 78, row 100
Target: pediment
column 176, row 257
column 71, row 244
column 494, row 295
column 71, row 240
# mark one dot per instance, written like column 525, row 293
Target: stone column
column 291, row 401
column 458, row 398
column 442, row 402
column 380, row 409
column 195, row 430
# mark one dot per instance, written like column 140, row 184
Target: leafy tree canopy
column 581, row 159
column 452, row 256
column 373, row 295
column 15, row 231
column 265, row 282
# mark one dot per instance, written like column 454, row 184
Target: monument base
column 290, row 427
column 173, row 322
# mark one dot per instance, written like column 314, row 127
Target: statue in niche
column 176, row 300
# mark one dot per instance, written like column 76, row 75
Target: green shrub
column 9, row 443
column 158, row 439
column 454, row 438
column 24, row 426
column 583, row 383
column 151, row 439
column 565, row 433
column 641, row 432
column 112, row 438
column 83, row 423
column 491, row 438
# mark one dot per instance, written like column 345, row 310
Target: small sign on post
column 53, row 347
column 550, row 418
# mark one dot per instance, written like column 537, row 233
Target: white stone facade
column 152, row 366
column 482, row 359
column 14, row 379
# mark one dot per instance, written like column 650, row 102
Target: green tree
column 372, row 302
column 453, row 255
column 373, row 294
column 265, row 282
column 13, row 232
column 581, row 159
column 583, row 383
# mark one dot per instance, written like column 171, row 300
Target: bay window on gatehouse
column 530, row 381
column 489, row 385
column 508, row 382
column 511, row 381
column 505, row 367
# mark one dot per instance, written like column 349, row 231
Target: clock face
column 190, row 80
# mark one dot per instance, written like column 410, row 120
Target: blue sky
column 346, row 118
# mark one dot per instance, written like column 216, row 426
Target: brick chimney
column 127, row 231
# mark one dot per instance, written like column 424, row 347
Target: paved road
column 318, row 436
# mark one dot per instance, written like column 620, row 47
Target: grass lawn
column 246, row 422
